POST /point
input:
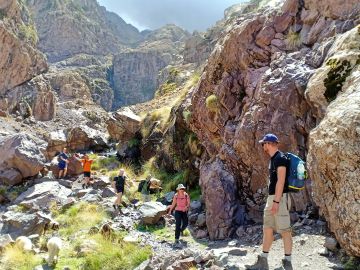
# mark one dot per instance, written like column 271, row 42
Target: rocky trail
column 310, row 235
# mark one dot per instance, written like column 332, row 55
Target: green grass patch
column 195, row 193
column 110, row 255
column 81, row 216
column 107, row 163
column 352, row 264
column 15, row 258
column 161, row 232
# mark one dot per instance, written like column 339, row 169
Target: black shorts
column 87, row 174
column 119, row 189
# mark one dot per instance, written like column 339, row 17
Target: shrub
column 187, row 116
column 339, row 71
column 2, row 190
column 195, row 193
column 195, row 78
column 28, row 33
column 134, row 142
column 2, row 14
column 212, row 103
column 194, row 145
column 167, row 87
column 293, row 40
column 352, row 264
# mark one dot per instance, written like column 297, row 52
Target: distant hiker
column 63, row 161
column 181, row 203
column 119, row 182
column 86, row 163
column 276, row 212
column 145, row 190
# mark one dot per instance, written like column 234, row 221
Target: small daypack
column 297, row 174
column 141, row 185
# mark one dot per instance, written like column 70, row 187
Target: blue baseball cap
column 269, row 138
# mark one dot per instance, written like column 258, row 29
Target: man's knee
column 286, row 234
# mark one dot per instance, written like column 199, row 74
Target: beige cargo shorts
column 281, row 221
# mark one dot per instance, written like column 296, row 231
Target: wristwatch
column 275, row 201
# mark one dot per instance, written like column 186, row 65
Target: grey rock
column 331, row 244
column 193, row 218
column 43, row 195
column 151, row 212
column 17, row 224
column 22, row 152
column 195, row 206
column 108, row 192
column 91, row 198
column 201, row 220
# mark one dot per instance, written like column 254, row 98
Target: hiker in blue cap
column 276, row 212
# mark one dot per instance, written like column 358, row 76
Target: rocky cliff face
column 20, row 61
column 334, row 93
column 97, row 31
column 255, row 83
column 135, row 73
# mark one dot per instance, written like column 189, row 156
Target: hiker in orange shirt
column 86, row 163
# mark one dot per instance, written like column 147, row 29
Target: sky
column 152, row 14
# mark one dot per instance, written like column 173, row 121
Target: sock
column 264, row 254
column 288, row 257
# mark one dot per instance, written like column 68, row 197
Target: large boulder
column 151, row 212
column 17, row 223
column 333, row 158
column 218, row 189
column 41, row 196
column 76, row 139
column 123, row 125
column 22, row 153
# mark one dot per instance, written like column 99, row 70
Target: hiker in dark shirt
column 119, row 184
column 63, row 160
column 276, row 212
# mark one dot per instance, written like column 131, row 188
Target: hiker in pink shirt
column 181, row 203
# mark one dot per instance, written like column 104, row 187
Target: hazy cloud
column 152, row 14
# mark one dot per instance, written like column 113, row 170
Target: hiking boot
column 261, row 264
column 114, row 206
column 177, row 244
column 83, row 186
column 286, row 265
